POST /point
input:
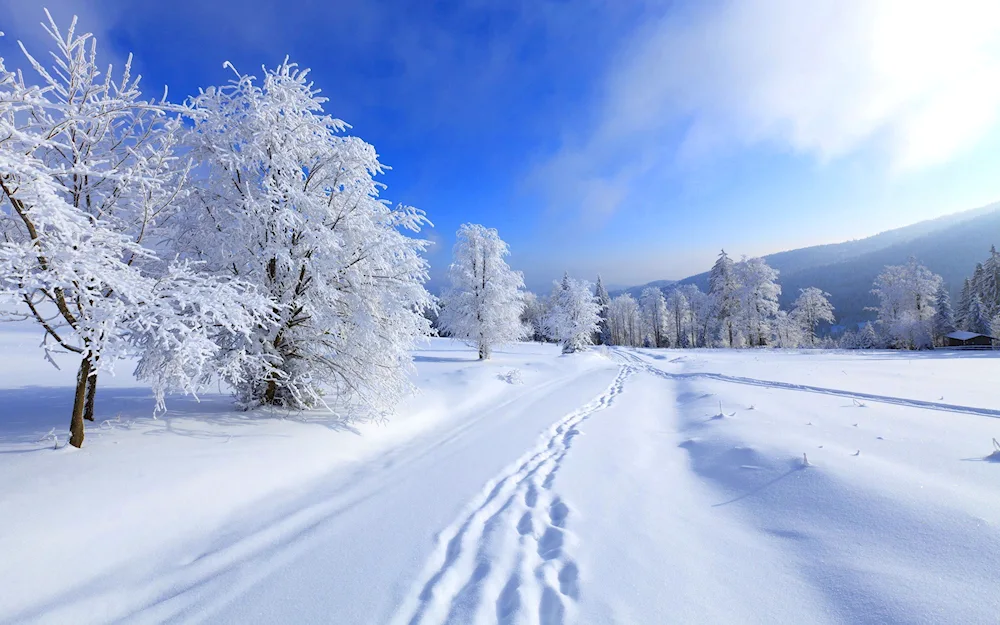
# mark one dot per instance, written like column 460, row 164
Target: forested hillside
column 949, row 246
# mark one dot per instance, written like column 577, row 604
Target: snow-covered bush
column 286, row 201
column 484, row 303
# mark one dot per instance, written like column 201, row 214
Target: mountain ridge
column 949, row 246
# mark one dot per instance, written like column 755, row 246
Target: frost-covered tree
column 89, row 177
column 699, row 315
column 723, row 289
column 678, row 318
column 868, row 338
column 944, row 318
column 810, row 308
column 977, row 321
column 757, row 296
column 288, row 202
column 989, row 285
column 625, row 321
column 964, row 303
column 483, row 306
column 654, row 315
column 603, row 300
column 788, row 331
column 534, row 315
column 906, row 310
column 574, row 316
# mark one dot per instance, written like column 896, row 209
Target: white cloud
column 917, row 80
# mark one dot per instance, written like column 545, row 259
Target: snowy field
column 619, row 486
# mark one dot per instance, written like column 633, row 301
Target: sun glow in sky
column 633, row 139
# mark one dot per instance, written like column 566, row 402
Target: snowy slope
column 606, row 487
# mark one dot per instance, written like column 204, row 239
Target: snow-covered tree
column 678, row 318
column 964, row 303
column 483, row 306
column 654, row 315
column 89, row 176
column 288, row 202
column 757, row 296
column 788, row 331
column 907, row 295
column 699, row 316
column 944, row 318
column 625, row 321
column 574, row 317
column 534, row 315
column 723, row 289
column 976, row 319
column 989, row 286
column 810, row 308
column 603, row 300
column 868, row 338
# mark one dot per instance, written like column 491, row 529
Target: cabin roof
column 961, row 335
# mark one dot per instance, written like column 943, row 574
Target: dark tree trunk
column 79, row 402
column 88, row 410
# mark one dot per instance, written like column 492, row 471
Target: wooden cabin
column 970, row 340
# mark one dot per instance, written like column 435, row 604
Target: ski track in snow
column 506, row 558
column 636, row 360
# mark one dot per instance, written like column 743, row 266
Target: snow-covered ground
column 616, row 486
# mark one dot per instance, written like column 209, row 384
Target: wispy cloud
column 919, row 81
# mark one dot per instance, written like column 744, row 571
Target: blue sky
column 630, row 138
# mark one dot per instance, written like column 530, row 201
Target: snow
column 610, row 486
column 961, row 335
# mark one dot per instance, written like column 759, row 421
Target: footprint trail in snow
column 506, row 559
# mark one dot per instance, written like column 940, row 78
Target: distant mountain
column 636, row 291
column 949, row 246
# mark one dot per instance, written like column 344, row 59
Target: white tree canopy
column 284, row 200
column 575, row 315
column 907, row 297
column 810, row 308
column 484, row 303
column 90, row 175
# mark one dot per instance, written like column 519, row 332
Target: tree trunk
column 271, row 392
column 79, row 401
column 88, row 410
column 484, row 352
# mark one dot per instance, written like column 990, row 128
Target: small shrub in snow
column 512, row 377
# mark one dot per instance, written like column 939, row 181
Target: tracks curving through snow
column 506, row 559
column 637, row 361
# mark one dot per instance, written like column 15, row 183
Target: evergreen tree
column 868, row 337
column 989, row 288
column 575, row 315
column 722, row 289
column 944, row 318
column 964, row 304
column 977, row 321
column 604, row 301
